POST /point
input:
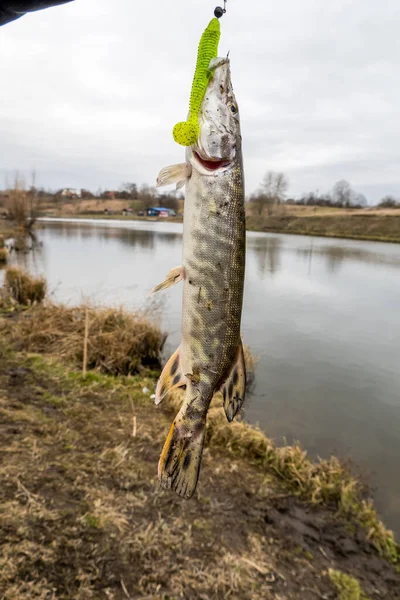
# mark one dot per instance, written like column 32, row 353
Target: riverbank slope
column 83, row 515
column 364, row 224
column 357, row 226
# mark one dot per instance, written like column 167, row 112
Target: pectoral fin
column 171, row 378
column 234, row 388
column 174, row 275
column 178, row 174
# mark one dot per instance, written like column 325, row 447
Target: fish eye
column 234, row 109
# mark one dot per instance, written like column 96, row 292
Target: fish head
column 219, row 141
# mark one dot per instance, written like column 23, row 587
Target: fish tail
column 179, row 465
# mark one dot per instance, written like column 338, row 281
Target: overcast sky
column 90, row 91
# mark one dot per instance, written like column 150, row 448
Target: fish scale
column 215, row 232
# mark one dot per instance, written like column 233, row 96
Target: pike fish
column 210, row 356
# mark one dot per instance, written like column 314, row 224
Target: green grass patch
column 347, row 587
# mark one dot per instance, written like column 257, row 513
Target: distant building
column 71, row 193
column 127, row 211
column 160, row 211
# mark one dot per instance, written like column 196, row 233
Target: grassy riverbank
column 357, row 226
column 363, row 224
column 83, row 517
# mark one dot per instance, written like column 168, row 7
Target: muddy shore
column 82, row 515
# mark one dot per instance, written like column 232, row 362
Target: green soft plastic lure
column 187, row 132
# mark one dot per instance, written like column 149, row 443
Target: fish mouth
column 211, row 164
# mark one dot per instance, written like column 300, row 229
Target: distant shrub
column 389, row 202
column 23, row 288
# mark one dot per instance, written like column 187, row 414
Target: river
column 321, row 315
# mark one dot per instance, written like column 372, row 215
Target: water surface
column 322, row 316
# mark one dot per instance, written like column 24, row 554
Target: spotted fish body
column 210, row 357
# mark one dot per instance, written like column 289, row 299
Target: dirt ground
column 82, row 516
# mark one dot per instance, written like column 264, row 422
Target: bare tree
column 342, row 193
column 170, row 200
column 360, row 200
column 273, row 191
column 130, row 189
column 148, row 195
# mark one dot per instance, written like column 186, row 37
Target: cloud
column 91, row 90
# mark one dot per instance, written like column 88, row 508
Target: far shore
column 365, row 224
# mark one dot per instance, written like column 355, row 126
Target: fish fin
column 171, row 377
column 173, row 276
column 234, row 388
column 179, row 464
column 181, row 184
column 174, row 174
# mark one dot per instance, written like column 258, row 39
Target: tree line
column 273, row 192
column 146, row 194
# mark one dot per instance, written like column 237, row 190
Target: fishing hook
column 219, row 11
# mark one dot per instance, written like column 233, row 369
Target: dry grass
column 21, row 240
column 3, row 256
column 21, row 205
column 358, row 225
column 23, row 288
column 118, row 342
column 250, row 361
column 299, row 210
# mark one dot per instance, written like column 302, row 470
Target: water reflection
column 27, row 251
column 129, row 237
column 337, row 255
column 267, row 251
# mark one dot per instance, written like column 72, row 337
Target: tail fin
column 179, row 465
